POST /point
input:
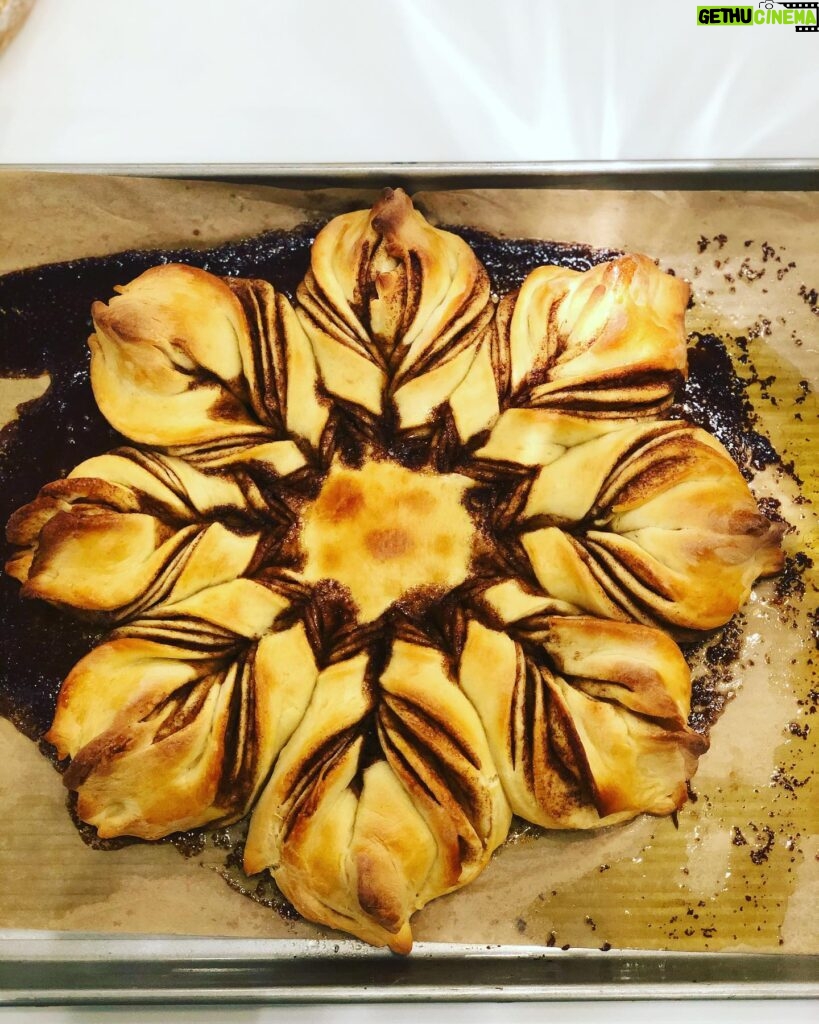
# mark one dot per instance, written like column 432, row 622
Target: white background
column 421, row 80
column 410, row 80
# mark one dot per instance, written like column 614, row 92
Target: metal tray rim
column 92, row 968
column 51, row 968
column 733, row 174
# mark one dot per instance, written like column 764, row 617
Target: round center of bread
column 386, row 532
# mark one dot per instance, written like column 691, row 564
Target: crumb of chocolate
column 789, row 782
column 761, row 328
column 811, row 297
column 764, row 840
column 748, row 273
column 813, row 619
column 790, row 583
column 771, row 508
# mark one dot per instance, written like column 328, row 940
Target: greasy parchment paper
column 739, row 871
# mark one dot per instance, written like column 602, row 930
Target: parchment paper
column 740, row 868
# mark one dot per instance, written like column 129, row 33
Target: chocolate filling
column 47, row 320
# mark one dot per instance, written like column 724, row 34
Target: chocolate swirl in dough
column 389, row 564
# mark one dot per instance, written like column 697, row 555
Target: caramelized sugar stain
column 387, row 544
column 343, row 499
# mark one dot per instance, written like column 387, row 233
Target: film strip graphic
column 804, row 7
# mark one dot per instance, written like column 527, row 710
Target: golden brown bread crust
column 424, row 542
column 388, row 565
column 393, row 308
column 175, row 720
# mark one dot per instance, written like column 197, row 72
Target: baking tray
column 38, row 968
column 762, row 175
